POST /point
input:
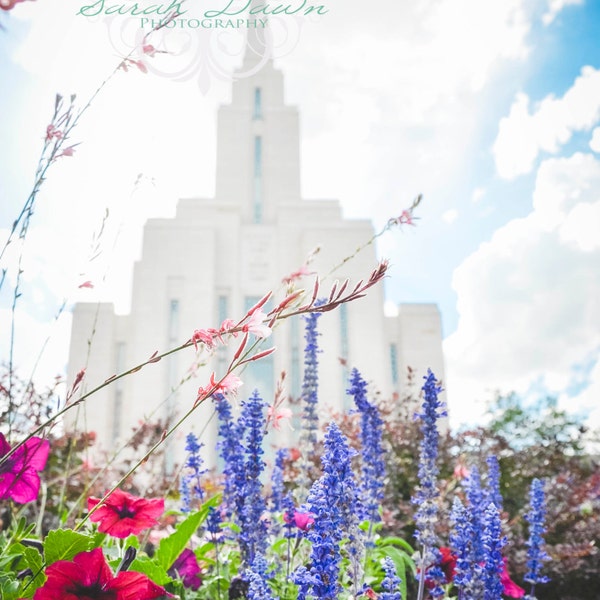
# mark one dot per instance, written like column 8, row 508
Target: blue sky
column 491, row 110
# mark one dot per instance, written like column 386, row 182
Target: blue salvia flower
column 536, row 555
column 493, row 482
column 460, row 544
column 289, row 510
column 321, row 579
column 372, row 462
column 334, row 502
column 310, row 382
column 213, row 522
column 427, row 492
column 253, row 530
column 232, row 452
column 277, row 485
column 258, row 588
column 390, row 582
column 476, row 502
column 476, row 514
column 190, row 486
column 493, row 563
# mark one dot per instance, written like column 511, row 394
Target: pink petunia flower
column 302, row 520
column 89, row 577
column 187, row 568
column 511, row 589
column 19, row 474
column 123, row 514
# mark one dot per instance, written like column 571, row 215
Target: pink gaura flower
column 228, row 385
column 67, row 152
column 86, row 284
column 187, row 568
column 52, row 132
column 123, row 514
column 19, row 473
column 461, row 471
column 127, row 62
column 302, row 520
column 277, row 414
column 89, row 577
column 149, row 49
column 256, row 325
column 204, row 336
column 301, row 272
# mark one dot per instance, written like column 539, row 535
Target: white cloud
column 555, row 7
column 478, row 194
column 595, row 141
column 523, row 134
column 528, row 298
column 450, row 216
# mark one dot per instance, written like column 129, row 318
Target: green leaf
column 33, row 560
column 155, row 572
column 171, row 547
column 396, row 541
column 65, row 544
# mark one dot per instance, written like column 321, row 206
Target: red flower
column 19, row 477
column 123, row 514
column 89, row 577
column 448, row 563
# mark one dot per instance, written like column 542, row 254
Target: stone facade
column 216, row 258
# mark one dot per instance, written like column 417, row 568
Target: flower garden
column 380, row 503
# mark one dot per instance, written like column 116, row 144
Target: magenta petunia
column 89, row 577
column 19, row 473
column 187, row 568
column 122, row 514
column 302, row 520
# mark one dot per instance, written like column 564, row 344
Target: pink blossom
column 229, row 384
column 226, row 325
column 86, row 284
column 301, row 272
column 53, row 132
column 303, row 521
column 461, row 471
column 67, row 151
column 256, row 325
column 205, row 336
column 149, row 49
column 511, row 589
column 19, row 473
column 276, row 415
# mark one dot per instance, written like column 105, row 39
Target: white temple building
column 216, row 258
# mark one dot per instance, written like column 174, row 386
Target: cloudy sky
column 490, row 109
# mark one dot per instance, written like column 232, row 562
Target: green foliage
column 171, row 547
column 64, row 544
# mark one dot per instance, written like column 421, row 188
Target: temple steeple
column 258, row 149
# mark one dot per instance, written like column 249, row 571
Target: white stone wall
column 215, row 248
